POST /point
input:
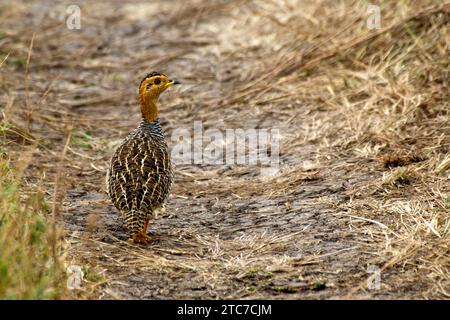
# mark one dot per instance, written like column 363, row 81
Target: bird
column 140, row 174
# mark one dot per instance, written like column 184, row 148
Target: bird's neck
column 149, row 109
column 154, row 128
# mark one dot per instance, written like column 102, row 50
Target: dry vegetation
column 365, row 161
column 31, row 256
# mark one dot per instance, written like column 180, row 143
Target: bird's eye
column 157, row 81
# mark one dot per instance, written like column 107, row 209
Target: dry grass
column 363, row 116
column 31, row 261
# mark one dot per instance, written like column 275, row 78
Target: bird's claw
column 139, row 238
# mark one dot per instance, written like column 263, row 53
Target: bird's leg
column 141, row 237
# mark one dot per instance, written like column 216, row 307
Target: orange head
column 150, row 88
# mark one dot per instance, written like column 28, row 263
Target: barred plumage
column 140, row 175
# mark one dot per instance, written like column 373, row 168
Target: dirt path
column 320, row 228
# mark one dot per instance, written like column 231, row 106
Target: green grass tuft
column 30, row 263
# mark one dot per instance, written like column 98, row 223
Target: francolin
column 140, row 175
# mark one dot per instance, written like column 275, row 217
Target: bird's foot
column 139, row 238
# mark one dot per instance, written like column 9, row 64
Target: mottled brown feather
column 140, row 175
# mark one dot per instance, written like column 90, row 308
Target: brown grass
column 363, row 116
column 31, row 248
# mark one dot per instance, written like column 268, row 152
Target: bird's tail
column 134, row 221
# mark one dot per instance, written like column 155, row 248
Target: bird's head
column 154, row 84
column 150, row 88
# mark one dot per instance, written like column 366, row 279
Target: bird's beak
column 172, row 82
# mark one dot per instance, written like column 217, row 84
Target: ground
column 362, row 190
